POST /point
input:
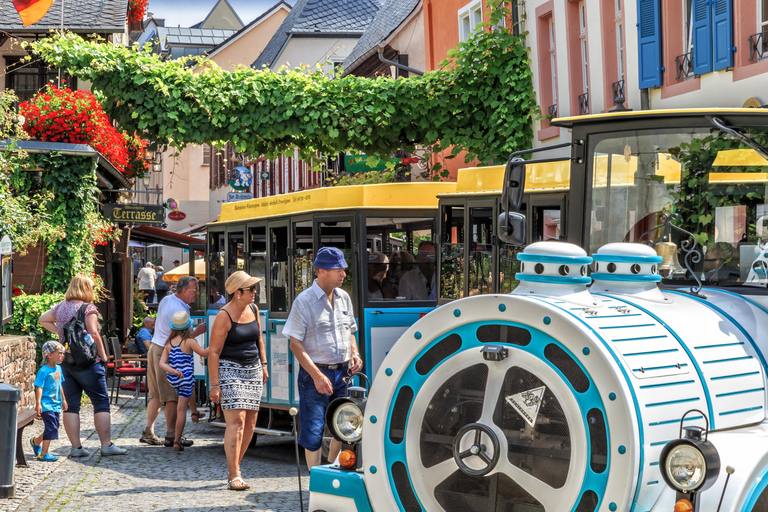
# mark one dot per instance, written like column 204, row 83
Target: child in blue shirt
column 49, row 399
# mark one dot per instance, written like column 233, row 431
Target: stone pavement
column 155, row 478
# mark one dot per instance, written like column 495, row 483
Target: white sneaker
column 79, row 452
column 113, row 449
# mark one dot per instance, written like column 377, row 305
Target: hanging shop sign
column 234, row 197
column 135, row 213
column 240, row 178
column 177, row 215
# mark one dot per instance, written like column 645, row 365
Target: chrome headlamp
column 345, row 416
column 690, row 464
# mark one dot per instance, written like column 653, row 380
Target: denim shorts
column 51, row 422
column 92, row 380
column 312, row 406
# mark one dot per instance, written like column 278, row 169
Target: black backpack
column 79, row 353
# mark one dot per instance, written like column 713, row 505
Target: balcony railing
column 758, row 46
column 684, row 66
column 552, row 111
column 584, row 104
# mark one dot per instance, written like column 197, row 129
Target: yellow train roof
column 400, row 196
column 568, row 122
column 548, row 176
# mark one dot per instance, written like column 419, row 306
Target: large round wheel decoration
column 483, row 446
column 468, row 433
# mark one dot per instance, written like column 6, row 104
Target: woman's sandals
column 241, row 487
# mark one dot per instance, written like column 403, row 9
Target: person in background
column 147, row 278
column 160, row 391
column 144, row 337
column 378, row 285
column 237, row 368
column 161, row 287
column 49, row 399
column 176, row 263
column 321, row 327
column 136, row 268
column 420, row 283
column 91, row 380
column 216, row 296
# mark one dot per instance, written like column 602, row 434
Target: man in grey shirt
column 321, row 327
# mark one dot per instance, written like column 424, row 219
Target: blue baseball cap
column 329, row 258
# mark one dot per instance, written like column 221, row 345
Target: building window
column 469, row 17
column 27, row 79
column 552, row 66
column 584, row 97
column 206, row 154
column 684, row 62
column 758, row 43
column 618, row 20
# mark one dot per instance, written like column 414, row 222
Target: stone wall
column 17, row 366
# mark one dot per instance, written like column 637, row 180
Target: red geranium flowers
column 62, row 115
column 136, row 10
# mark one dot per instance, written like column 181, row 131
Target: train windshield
column 708, row 182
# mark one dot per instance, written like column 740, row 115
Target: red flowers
column 136, row 10
column 15, row 292
column 61, row 115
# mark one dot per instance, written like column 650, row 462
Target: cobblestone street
column 152, row 478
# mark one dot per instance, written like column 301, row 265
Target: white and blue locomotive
column 574, row 393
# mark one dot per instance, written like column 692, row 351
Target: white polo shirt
column 165, row 311
column 325, row 331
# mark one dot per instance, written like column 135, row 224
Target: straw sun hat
column 240, row 280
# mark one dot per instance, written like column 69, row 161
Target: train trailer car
column 626, row 371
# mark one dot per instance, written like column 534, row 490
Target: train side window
column 216, row 270
column 339, row 234
column 480, row 271
column 508, row 267
column 303, row 275
column 279, row 269
column 546, row 223
column 257, row 261
column 452, row 253
column 392, row 271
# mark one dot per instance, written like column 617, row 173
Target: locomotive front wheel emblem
column 475, row 460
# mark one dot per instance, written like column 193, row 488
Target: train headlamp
column 345, row 416
column 690, row 464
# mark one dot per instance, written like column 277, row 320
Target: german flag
column 32, row 11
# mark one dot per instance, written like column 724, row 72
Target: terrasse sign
column 135, row 213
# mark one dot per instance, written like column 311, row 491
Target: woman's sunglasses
column 250, row 289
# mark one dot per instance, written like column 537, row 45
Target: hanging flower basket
column 62, row 115
column 136, row 10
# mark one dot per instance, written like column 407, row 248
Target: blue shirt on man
column 143, row 335
column 50, row 379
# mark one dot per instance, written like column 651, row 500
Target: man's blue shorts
column 51, row 422
column 312, row 405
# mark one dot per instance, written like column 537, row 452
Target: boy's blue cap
column 329, row 258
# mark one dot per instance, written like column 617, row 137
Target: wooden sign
column 153, row 215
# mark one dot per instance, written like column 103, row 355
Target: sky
column 186, row 13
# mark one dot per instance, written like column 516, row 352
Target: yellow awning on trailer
column 542, row 177
column 404, row 196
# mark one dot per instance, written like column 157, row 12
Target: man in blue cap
column 322, row 327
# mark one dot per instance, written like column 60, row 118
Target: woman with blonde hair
column 91, row 380
column 237, row 368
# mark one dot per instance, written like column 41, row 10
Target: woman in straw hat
column 237, row 366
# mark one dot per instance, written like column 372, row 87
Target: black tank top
column 242, row 343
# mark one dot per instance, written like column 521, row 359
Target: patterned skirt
column 240, row 385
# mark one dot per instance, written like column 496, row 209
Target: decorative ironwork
column 619, row 96
column 758, row 46
column 584, row 104
column 552, row 110
column 691, row 254
column 684, row 66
